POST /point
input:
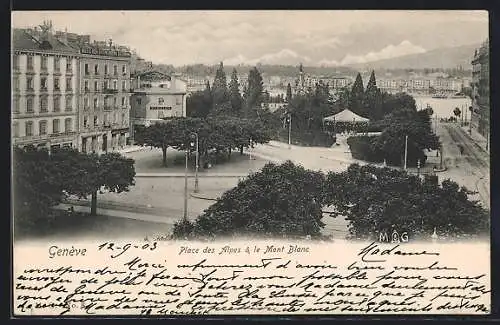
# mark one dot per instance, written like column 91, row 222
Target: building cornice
column 45, row 53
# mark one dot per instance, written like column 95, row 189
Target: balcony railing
column 110, row 91
column 108, row 107
column 62, row 134
column 86, row 90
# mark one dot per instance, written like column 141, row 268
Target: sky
column 314, row 38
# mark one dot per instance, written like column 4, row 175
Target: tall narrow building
column 44, row 89
column 480, row 117
column 104, row 81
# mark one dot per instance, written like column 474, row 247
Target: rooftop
column 44, row 39
column 23, row 39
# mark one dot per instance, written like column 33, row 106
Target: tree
column 280, row 200
column 288, row 93
column 37, row 186
column 42, row 180
column 371, row 87
column 88, row 174
column 381, row 200
column 457, row 112
column 159, row 135
column 219, row 86
column 199, row 104
column 373, row 101
column 356, row 103
column 357, row 88
column 234, row 93
column 400, row 124
column 255, row 91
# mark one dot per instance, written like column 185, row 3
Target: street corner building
column 69, row 91
column 156, row 96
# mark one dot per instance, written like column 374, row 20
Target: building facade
column 480, row 117
column 68, row 91
column 104, row 81
column 44, row 89
column 158, row 96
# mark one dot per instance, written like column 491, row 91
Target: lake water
column 443, row 107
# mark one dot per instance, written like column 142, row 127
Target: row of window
column 43, row 63
column 161, row 101
column 107, row 102
column 44, row 104
column 106, row 71
column 43, row 84
column 106, row 121
column 43, row 127
column 105, row 85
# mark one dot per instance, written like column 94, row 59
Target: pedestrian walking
column 461, row 148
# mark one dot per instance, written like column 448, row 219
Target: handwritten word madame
column 56, row 251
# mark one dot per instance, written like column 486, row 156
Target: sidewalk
column 119, row 214
column 476, row 137
column 191, row 175
column 133, row 148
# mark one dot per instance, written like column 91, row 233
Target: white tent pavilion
column 346, row 116
column 346, row 121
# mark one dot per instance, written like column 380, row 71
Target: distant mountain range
column 444, row 58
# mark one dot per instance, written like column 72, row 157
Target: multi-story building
column 480, row 117
column 158, row 96
column 44, row 89
column 104, row 81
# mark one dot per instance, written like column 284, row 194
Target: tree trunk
column 241, row 150
column 93, row 204
column 229, row 154
column 164, row 151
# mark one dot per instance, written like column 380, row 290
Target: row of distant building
column 277, row 84
column 70, row 91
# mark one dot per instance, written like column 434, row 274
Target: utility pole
column 406, row 151
column 470, row 120
column 186, row 186
column 197, row 163
column 441, row 157
column 418, row 167
column 289, row 130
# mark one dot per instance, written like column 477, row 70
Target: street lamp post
column 196, row 189
column 406, row 151
column 470, row 120
column 186, row 186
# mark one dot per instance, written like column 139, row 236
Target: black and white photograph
column 316, row 126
